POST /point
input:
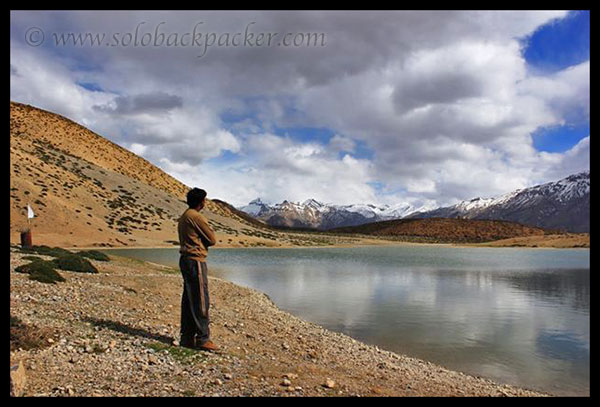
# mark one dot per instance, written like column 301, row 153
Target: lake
column 517, row 316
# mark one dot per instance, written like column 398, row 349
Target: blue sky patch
column 363, row 151
column 94, row 87
column 559, row 44
column 306, row 134
column 558, row 139
column 323, row 136
column 226, row 157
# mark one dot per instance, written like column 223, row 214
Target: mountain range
column 318, row 215
column 561, row 205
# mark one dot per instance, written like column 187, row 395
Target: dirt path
column 112, row 333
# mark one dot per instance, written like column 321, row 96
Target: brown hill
column 445, row 230
column 46, row 129
column 557, row 241
column 88, row 191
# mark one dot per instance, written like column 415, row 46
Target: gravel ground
column 116, row 335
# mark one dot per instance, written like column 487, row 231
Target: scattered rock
column 329, row 384
column 18, row 380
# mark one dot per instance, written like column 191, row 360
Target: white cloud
column 277, row 169
column 567, row 92
column 444, row 100
column 138, row 149
column 151, row 119
column 459, row 121
column 43, row 80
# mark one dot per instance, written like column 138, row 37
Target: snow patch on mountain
column 254, row 207
column 313, row 213
column 562, row 204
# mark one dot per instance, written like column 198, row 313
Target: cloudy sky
column 426, row 108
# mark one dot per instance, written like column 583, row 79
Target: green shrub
column 32, row 258
column 49, row 276
column 46, row 251
column 34, row 265
column 52, row 251
column 42, row 271
column 73, row 262
column 94, row 255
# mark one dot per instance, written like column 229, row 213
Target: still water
column 517, row 316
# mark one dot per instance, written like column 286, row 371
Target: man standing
column 195, row 236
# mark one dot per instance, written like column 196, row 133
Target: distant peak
column 583, row 174
column 311, row 201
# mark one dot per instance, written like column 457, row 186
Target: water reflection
column 552, row 286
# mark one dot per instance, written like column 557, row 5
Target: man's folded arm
column 205, row 230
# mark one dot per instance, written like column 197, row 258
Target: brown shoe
column 209, row 346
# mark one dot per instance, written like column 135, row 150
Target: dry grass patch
column 23, row 336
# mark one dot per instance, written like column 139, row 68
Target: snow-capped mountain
column 255, row 207
column 314, row 214
column 564, row 204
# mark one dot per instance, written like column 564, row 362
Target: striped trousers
column 195, row 301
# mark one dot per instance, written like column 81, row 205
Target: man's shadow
column 128, row 330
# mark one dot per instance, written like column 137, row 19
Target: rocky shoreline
column 114, row 334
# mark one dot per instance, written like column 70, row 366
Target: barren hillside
column 446, row 230
column 88, row 191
